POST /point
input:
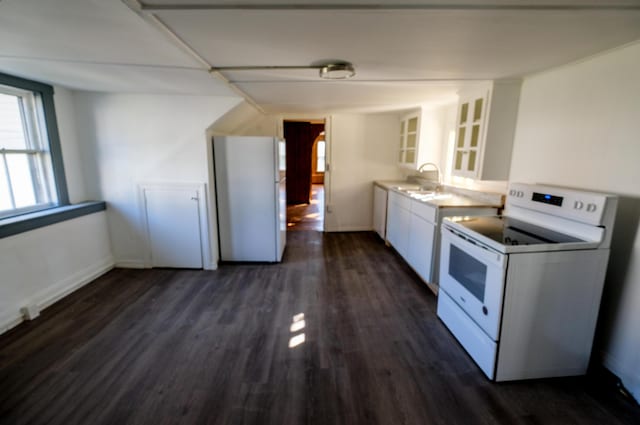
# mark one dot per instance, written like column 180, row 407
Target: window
column 25, row 166
column 31, row 172
column 320, row 158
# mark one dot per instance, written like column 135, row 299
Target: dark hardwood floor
column 225, row 347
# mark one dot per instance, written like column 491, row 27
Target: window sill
column 23, row 223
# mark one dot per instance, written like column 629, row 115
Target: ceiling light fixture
column 327, row 71
column 337, row 71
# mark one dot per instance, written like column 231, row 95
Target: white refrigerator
column 251, row 197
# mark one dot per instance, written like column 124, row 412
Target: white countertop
column 450, row 197
column 392, row 184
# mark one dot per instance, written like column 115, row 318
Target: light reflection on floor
column 297, row 325
column 308, row 216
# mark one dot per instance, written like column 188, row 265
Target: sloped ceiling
column 95, row 45
column 405, row 53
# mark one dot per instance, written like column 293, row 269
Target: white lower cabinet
column 398, row 222
column 380, row 211
column 393, row 221
column 411, row 230
column 421, row 246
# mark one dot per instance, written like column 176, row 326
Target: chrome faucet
column 426, row 164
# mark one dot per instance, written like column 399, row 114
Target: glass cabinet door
column 460, row 150
column 402, row 142
column 469, row 136
column 478, row 110
column 409, row 139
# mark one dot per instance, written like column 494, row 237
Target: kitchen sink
column 405, row 188
column 423, row 194
column 420, row 192
column 427, row 195
column 438, row 196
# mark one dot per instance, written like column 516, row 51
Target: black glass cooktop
column 509, row 231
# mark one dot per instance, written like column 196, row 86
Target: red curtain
column 300, row 137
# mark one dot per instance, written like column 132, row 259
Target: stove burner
column 512, row 232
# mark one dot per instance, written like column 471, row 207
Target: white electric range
column 521, row 291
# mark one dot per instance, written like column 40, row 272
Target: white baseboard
column 61, row 289
column 139, row 265
column 131, row 264
column 57, row 291
column 350, row 229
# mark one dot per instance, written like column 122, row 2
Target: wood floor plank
column 167, row 346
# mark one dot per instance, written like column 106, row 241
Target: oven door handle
column 471, row 240
column 486, row 252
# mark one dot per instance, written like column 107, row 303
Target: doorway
column 306, row 159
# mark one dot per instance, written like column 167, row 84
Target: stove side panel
column 550, row 311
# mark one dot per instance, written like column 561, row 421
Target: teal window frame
column 62, row 209
column 45, row 93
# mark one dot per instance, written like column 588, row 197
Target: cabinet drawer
column 401, row 200
column 424, row 211
column 479, row 346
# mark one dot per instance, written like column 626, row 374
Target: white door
column 173, row 221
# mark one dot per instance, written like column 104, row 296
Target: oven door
column 473, row 276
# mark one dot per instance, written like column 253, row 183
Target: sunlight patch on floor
column 297, row 325
column 296, row 340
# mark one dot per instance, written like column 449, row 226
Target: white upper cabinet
column 485, row 129
column 424, row 134
column 409, row 140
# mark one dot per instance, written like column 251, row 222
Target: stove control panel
column 546, row 198
column 586, row 207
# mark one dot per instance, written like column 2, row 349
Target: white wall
column 42, row 265
column 435, row 124
column 71, row 147
column 137, row 138
column 244, row 120
column 363, row 148
column 579, row 126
